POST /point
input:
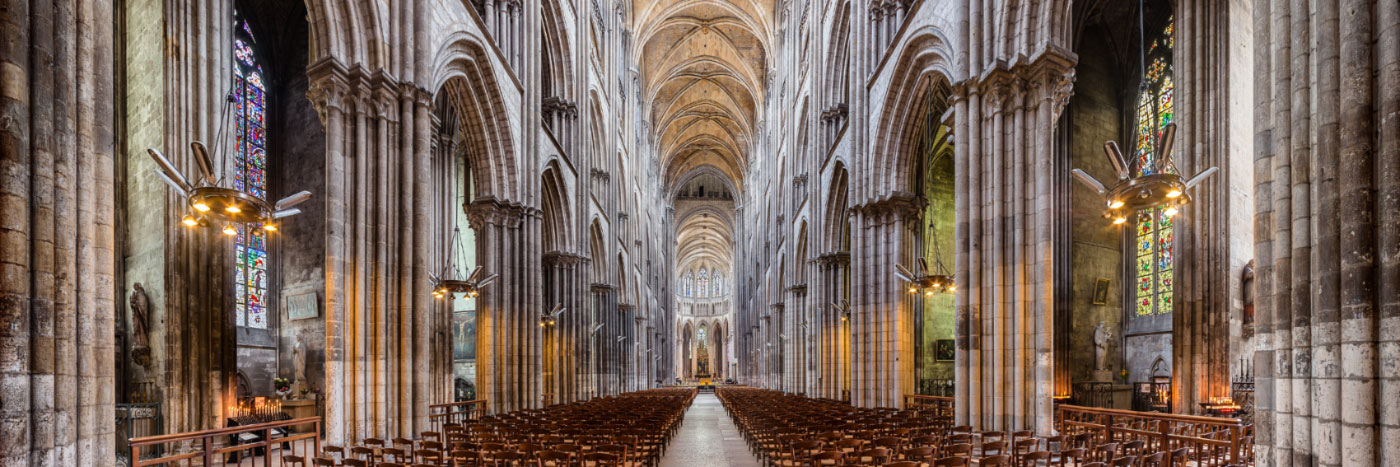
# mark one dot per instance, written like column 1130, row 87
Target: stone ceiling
column 704, row 67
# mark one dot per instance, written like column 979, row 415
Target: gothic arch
column 556, row 68
column 925, row 64
column 465, row 76
column 350, row 31
column 558, row 236
column 838, row 59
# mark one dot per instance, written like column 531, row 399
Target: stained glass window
column 1153, row 237
column 689, row 280
column 249, row 174
column 702, row 283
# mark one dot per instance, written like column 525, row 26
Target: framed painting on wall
column 944, row 350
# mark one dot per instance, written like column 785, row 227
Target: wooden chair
column 334, row 453
column 1179, row 456
column 873, row 456
column 600, row 459
column 830, row 457
column 551, row 458
column 903, row 464
column 463, row 457
column 1156, row 459
column 1023, row 447
column 293, row 460
column 1134, row 448
column 952, row 461
column 993, row 448
column 963, row 450
column 511, row 458
column 355, row 463
column 369, row 455
column 323, row 461
column 850, row 446
column 995, row 461
column 394, row 455
column 1075, row 455
column 800, row 453
column 1034, row 459
column 1105, row 452
column 923, row 454
column 1125, row 461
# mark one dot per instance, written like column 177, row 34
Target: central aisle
column 708, row 438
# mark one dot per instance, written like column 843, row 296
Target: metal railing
column 253, row 444
column 1210, row 441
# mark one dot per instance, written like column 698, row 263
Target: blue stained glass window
column 249, row 166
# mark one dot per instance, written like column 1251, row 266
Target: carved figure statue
column 1101, row 337
column 140, row 307
column 299, row 362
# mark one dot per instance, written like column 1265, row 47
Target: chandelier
column 206, row 199
column 930, row 281
column 450, row 282
column 1156, row 187
column 1157, row 184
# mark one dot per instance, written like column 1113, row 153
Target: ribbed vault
column 703, row 65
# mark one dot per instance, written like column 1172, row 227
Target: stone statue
column 139, row 307
column 299, row 362
column 1101, row 336
column 140, row 311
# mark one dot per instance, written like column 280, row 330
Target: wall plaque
column 303, row 306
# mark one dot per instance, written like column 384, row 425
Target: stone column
column 882, row 314
column 58, row 295
column 1327, row 220
column 1005, row 234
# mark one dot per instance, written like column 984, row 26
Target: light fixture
column 548, row 319
column 270, row 227
column 450, row 282
column 206, row 191
column 925, row 279
column 843, row 307
column 1156, row 183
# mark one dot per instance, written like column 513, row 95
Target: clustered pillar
column 377, row 311
column 1327, row 237
column 1004, row 305
column 57, row 200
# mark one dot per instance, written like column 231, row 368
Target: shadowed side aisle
column 708, row 438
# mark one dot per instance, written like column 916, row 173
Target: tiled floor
column 708, row 438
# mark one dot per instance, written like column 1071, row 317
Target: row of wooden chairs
column 788, row 430
column 628, row 430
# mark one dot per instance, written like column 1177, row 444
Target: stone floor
column 708, row 438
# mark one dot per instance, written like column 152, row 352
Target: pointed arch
column 556, row 226
column 467, row 78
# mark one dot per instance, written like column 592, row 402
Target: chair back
column 952, row 461
column 995, row 461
